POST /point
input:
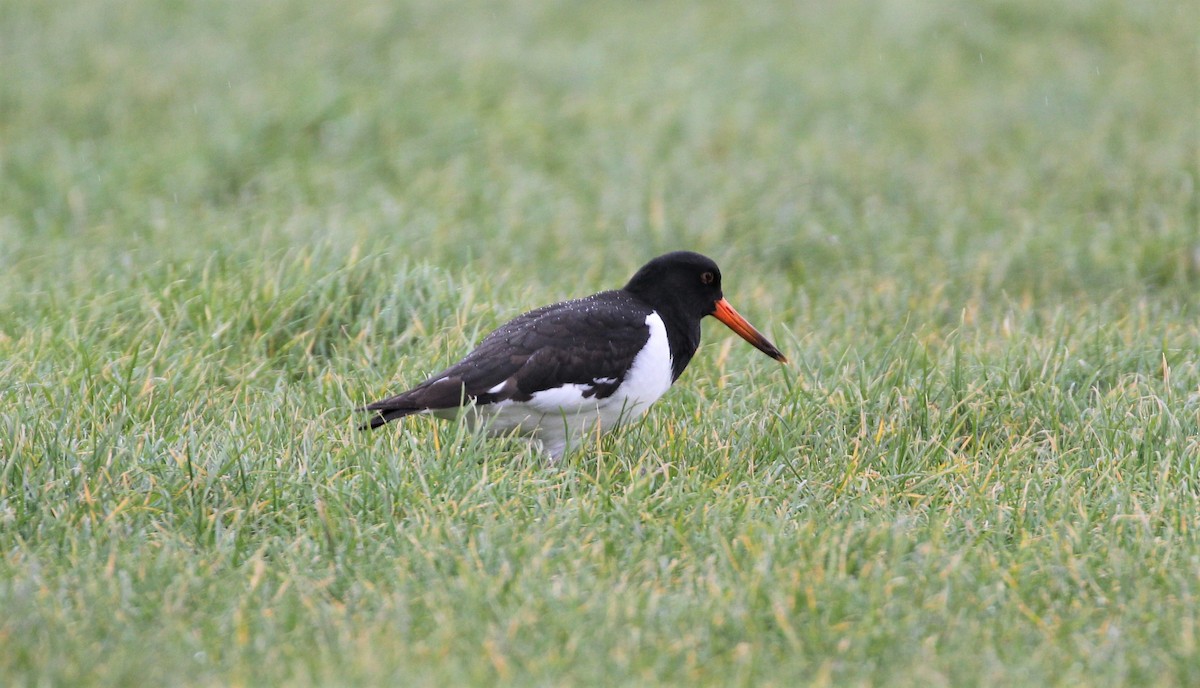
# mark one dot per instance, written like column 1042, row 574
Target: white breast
column 650, row 375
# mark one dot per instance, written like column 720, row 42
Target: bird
column 564, row 372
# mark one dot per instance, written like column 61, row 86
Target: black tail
column 383, row 416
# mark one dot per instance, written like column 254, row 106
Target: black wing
column 590, row 341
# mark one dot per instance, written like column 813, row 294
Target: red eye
column 707, row 278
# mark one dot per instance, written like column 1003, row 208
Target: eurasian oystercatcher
column 570, row 369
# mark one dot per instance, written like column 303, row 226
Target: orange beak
column 725, row 313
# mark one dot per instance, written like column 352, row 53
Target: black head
column 683, row 282
column 684, row 287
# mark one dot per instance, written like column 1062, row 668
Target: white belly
column 562, row 417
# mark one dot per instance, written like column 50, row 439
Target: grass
column 974, row 229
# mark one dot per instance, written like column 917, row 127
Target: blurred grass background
column 1001, row 145
column 974, row 228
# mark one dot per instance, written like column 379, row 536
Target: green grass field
column 974, row 228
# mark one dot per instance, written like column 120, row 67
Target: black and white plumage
column 567, row 370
